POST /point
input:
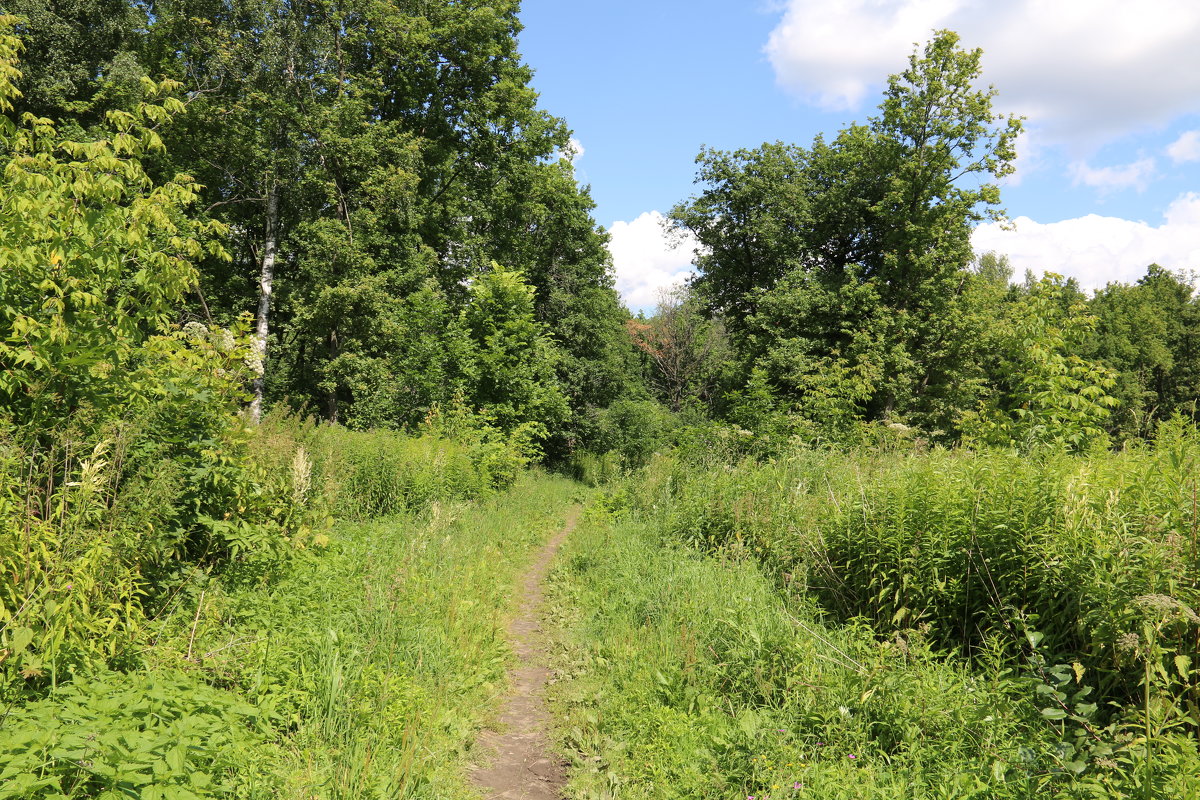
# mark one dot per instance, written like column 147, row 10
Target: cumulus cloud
column 1185, row 148
column 648, row 259
column 574, row 151
column 1080, row 69
column 1109, row 179
column 1097, row 250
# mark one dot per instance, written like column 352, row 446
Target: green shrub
column 156, row 737
column 687, row 675
column 1058, row 564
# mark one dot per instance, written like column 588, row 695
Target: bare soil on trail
column 524, row 766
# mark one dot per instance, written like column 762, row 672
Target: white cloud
column 1108, row 179
column 647, row 259
column 1030, row 158
column 1079, row 69
column 1185, row 148
column 574, row 151
column 1096, row 250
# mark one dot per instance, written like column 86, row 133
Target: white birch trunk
column 265, row 281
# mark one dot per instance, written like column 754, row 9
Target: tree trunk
column 331, row 398
column 265, row 281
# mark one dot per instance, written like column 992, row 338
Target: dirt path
column 524, row 767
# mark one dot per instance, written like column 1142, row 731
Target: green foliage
column 1050, row 565
column 828, row 387
column 1146, row 334
column 407, row 153
column 686, row 676
column 515, row 359
column 123, row 455
column 394, row 360
column 102, row 523
column 842, row 269
column 156, row 737
column 377, row 657
column 247, row 601
column 364, row 475
column 1047, row 393
column 80, row 59
column 96, row 258
column 621, row 437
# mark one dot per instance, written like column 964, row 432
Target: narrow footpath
column 522, row 765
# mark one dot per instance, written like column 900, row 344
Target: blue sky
column 1108, row 180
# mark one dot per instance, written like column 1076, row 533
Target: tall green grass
column 689, row 675
column 156, row 598
column 362, row 475
column 379, row 657
column 1079, row 572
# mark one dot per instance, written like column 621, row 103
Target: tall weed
column 1058, row 564
column 376, row 658
column 687, row 675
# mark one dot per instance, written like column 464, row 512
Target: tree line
column 842, row 277
column 368, row 199
column 396, row 213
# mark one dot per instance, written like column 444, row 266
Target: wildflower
column 797, row 785
column 851, row 756
column 1128, row 643
column 1166, row 607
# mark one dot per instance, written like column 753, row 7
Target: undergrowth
column 690, row 675
column 694, row 675
column 1074, row 575
column 375, row 659
column 167, row 616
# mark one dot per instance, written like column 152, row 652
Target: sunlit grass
column 381, row 657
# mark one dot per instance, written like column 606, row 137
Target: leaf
column 1054, row 713
column 20, row 639
column 748, row 722
column 176, row 760
column 1183, row 665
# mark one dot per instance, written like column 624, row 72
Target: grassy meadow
column 348, row 645
column 889, row 622
column 302, row 304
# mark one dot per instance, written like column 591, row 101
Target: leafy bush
column 156, row 737
column 686, row 675
column 104, row 516
column 1058, row 564
column 621, row 437
column 122, row 454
